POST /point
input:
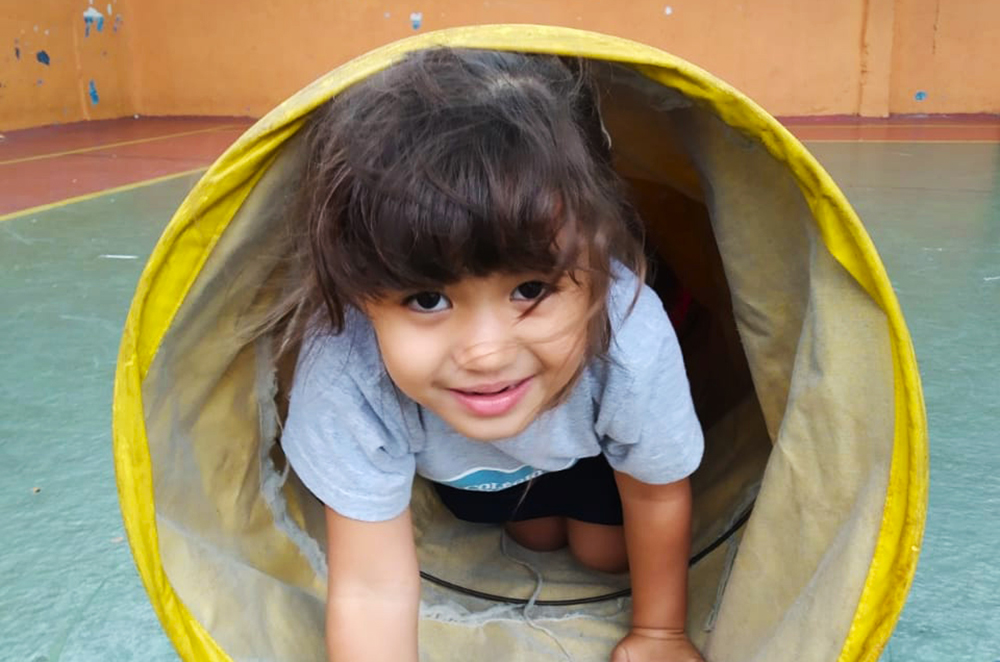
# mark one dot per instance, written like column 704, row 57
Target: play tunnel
column 810, row 502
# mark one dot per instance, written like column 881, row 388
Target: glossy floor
column 69, row 590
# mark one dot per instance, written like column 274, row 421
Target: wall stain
column 17, row 52
column 92, row 18
column 416, row 19
column 937, row 19
column 94, row 97
column 43, row 57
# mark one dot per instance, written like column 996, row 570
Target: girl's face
column 475, row 356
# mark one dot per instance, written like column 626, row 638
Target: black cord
column 624, row 593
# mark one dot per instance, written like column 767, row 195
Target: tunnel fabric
column 830, row 437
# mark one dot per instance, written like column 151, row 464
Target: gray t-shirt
column 356, row 441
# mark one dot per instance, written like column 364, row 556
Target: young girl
column 474, row 312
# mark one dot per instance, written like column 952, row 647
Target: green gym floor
column 82, row 207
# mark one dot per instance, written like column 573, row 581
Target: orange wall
column 34, row 93
column 950, row 51
column 269, row 50
column 192, row 57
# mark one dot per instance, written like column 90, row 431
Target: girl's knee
column 544, row 534
column 598, row 546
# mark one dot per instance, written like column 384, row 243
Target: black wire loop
column 604, row 597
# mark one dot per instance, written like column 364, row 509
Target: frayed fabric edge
column 458, row 615
column 271, row 480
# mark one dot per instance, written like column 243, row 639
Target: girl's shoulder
column 639, row 323
column 351, row 356
column 645, row 416
column 644, row 356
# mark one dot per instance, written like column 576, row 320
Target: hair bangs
column 491, row 197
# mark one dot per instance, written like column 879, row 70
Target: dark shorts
column 586, row 492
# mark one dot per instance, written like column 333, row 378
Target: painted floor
column 929, row 195
column 39, row 167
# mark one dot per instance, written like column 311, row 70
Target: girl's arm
column 658, row 539
column 373, row 594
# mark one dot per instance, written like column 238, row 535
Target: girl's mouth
column 492, row 399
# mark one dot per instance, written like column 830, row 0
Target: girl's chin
column 488, row 429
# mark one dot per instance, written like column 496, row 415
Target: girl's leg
column 541, row 534
column 598, row 546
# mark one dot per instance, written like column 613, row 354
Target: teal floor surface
column 70, row 592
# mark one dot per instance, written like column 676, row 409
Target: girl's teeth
column 505, row 388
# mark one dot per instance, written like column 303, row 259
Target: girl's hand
column 654, row 645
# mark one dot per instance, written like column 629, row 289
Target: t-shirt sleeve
column 646, row 418
column 342, row 437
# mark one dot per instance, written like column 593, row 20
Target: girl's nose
column 487, row 357
column 486, row 345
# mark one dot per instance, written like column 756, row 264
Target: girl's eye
column 427, row 302
column 530, row 291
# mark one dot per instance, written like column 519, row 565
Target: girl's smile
column 486, row 354
column 493, row 399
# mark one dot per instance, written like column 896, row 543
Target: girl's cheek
column 556, row 325
column 412, row 354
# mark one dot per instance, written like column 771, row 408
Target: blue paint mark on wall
column 91, row 18
column 42, row 57
column 920, row 96
column 94, row 98
column 416, row 20
column 17, row 52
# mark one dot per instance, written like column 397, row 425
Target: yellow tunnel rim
column 211, row 205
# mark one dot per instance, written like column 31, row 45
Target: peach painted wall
column 266, row 50
column 192, row 57
column 60, row 63
column 946, row 57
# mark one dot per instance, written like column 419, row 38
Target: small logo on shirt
column 492, row 480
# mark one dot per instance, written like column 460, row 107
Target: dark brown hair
column 454, row 163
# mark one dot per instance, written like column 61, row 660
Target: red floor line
column 112, row 145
